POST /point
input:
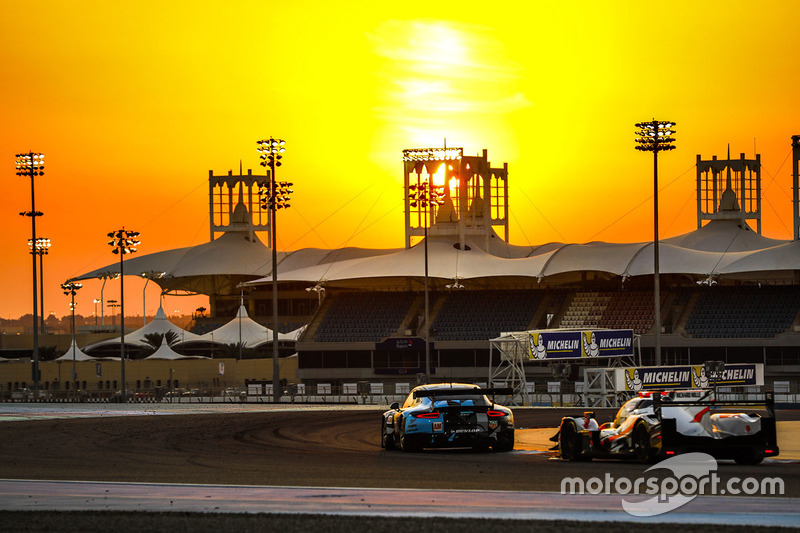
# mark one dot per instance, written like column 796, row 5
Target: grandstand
column 727, row 292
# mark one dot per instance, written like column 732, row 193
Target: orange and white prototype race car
column 656, row 425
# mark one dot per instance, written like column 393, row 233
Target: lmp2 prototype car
column 449, row 415
column 658, row 424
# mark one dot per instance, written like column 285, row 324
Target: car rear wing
column 768, row 403
column 438, row 393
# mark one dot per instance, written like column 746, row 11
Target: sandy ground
column 538, row 439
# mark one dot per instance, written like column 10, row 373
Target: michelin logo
column 590, row 346
column 536, row 344
column 700, row 378
column 632, row 380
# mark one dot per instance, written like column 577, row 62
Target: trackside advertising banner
column 686, row 377
column 548, row 345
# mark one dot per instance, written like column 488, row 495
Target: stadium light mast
column 31, row 164
column 70, row 288
column 152, row 274
column 655, row 136
column 96, row 301
column 40, row 247
column 105, row 276
column 424, row 195
column 123, row 242
column 274, row 197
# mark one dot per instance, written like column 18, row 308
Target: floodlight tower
column 426, row 196
column 274, row 197
column 796, row 186
column 41, row 248
column 123, row 242
column 70, row 289
column 152, row 274
column 655, row 136
column 31, row 165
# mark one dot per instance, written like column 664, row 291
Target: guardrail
column 216, row 396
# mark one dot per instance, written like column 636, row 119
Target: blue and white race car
column 449, row 415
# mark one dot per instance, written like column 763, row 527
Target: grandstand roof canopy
column 721, row 248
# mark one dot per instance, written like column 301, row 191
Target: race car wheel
column 752, row 458
column 505, row 442
column 408, row 443
column 387, row 441
column 645, row 453
column 570, row 443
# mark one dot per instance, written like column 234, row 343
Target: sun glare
column 438, row 177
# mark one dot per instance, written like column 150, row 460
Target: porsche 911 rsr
column 449, row 415
column 655, row 425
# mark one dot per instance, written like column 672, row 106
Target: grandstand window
column 309, row 360
column 334, row 360
column 457, row 358
column 482, row 358
column 783, row 355
column 399, row 359
column 745, row 354
column 359, row 359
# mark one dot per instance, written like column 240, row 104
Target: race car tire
column 387, row 441
column 505, row 442
column 752, row 458
column 408, row 443
column 571, row 444
column 645, row 453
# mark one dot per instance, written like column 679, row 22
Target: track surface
column 335, row 448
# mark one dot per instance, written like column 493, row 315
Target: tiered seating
column 363, row 316
column 630, row 310
column 585, row 310
column 614, row 310
column 743, row 312
column 481, row 315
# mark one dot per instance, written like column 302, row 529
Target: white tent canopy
column 164, row 351
column 76, row 354
column 241, row 329
column 159, row 325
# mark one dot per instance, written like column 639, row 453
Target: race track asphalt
column 315, row 448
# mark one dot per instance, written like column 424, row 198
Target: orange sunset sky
column 134, row 102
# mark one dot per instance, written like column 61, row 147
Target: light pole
column 105, row 276
column 31, row 164
column 274, row 197
column 70, row 288
column 40, row 247
column 96, row 301
column 424, row 195
column 123, row 242
column 655, row 136
column 152, row 274
column 113, row 304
